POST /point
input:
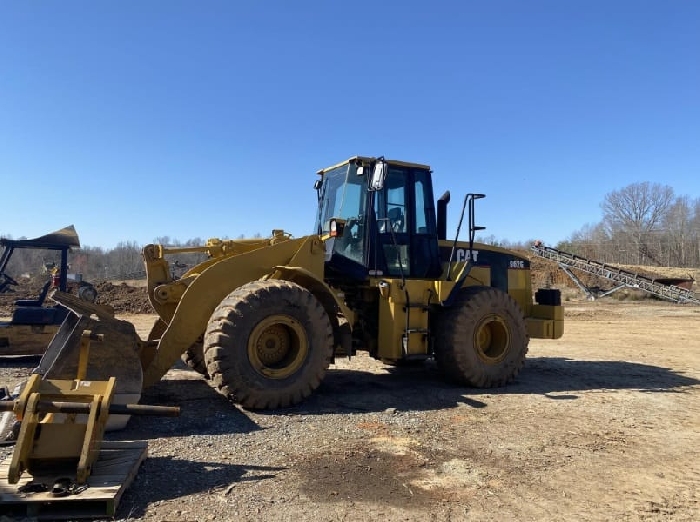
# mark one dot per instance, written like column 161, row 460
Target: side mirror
column 378, row 176
column 336, row 227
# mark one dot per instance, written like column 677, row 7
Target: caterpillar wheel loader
column 263, row 319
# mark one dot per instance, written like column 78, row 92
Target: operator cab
column 378, row 219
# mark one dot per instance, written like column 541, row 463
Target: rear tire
column 268, row 344
column 481, row 341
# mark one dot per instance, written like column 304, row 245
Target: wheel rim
column 277, row 346
column 492, row 339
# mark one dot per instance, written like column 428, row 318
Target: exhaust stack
column 442, row 215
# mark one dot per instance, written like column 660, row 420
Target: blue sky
column 138, row 120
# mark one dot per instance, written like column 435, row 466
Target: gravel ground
column 603, row 424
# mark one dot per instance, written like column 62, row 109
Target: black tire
column 481, row 341
column 268, row 344
column 194, row 358
column 87, row 292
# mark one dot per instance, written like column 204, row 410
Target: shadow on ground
column 202, row 412
column 214, row 477
column 19, row 361
column 423, row 388
column 413, row 388
column 545, row 375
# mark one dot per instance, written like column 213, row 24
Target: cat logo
column 462, row 254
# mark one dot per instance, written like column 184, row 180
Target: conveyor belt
column 612, row 273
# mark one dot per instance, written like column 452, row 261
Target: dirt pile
column 123, row 298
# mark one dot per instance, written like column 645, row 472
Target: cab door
column 405, row 234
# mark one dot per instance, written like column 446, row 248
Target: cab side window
column 396, row 204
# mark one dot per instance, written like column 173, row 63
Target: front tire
column 194, row 359
column 481, row 341
column 268, row 344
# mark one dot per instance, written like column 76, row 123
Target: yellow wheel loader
column 264, row 318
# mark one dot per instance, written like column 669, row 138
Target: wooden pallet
column 111, row 475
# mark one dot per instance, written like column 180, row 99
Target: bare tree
column 637, row 211
column 695, row 234
column 677, row 229
column 592, row 241
column 125, row 260
column 165, row 240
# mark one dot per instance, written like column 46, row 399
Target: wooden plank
column 112, row 474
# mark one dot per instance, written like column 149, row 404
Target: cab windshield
column 343, row 195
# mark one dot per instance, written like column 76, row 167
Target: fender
column 327, row 296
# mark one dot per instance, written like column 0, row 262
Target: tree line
column 643, row 224
column 125, row 261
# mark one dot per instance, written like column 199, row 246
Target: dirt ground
column 603, row 424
